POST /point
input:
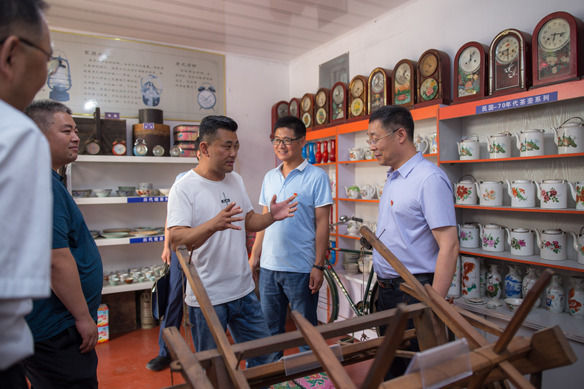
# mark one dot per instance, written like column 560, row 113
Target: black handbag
column 160, row 291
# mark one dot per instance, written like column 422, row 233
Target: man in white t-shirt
column 209, row 211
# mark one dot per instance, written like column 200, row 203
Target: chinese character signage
column 124, row 76
column 152, row 199
column 147, row 239
column 518, row 103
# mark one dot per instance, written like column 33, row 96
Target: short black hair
column 394, row 115
column 293, row 123
column 42, row 111
column 210, row 124
column 16, row 14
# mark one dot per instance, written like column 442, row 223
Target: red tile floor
column 122, row 363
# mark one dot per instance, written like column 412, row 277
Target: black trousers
column 13, row 377
column 389, row 296
column 57, row 363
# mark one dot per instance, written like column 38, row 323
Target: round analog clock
column 554, row 34
column 428, row 64
column 403, row 74
column 307, row 119
column 470, row 59
column 428, row 89
column 357, row 107
column 294, row 108
column 357, row 87
column 119, row 147
column 377, row 82
column 282, row 110
column 338, row 94
column 321, row 116
column 306, row 103
column 507, row 50
column 320, row 98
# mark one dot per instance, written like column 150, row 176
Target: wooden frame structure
column 511, row 357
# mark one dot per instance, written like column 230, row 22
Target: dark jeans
column 280, row 288
column 390, row 296
column 13, row 377
column 57, row 363
column 174, row 308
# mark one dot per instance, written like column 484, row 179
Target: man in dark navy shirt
column 64, row 325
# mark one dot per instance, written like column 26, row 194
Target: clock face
column 306, row 103
column 306, row 119
column 320, row 98
column 402, row 74
column 429, row 89
column 321, row 116
column 206, row 99
column 282, row 110
column 338, row 94
column 470, row 59
column 428, row 64
column 554, row 34
column 357, row 107
column 294, row 108
column 377, row 82
column 357, row 87
column 507, row 49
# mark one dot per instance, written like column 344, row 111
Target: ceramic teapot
column 353, row 227
column 352, row 192
column 356, row 154
column 469, row 235
column 464, row 191
column 530, row 142
column 552, row 244
column 421, row 144
column 469, row 148
column 577, row 191
column 367, row 191
column 500, row 145
column 579, row 244
column 552, row 194
column 570, row 136
column 520, row 241
column 492, row 237
column 490, row 193
column 522, row 193
column 433, row 143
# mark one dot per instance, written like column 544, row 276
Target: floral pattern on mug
column 517, row 243
column 488, row 241
column 550, row 196
column 489, row 195
column 566, row 141
column 465, row 235
column 465, row 152
column 462, row 192
column 553, row 245
column 518, row 193
column 529, row 146
column 495, row 148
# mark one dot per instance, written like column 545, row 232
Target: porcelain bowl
column 513, row 303
column 102, row 192
column 81, row 192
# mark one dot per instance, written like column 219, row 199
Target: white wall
column 416, row 26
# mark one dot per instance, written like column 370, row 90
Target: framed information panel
column 123, row 76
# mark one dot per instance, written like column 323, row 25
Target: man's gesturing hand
column 226, row 218
column 284, row 209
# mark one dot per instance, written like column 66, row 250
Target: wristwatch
column 321, row 268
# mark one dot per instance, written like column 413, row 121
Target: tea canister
column 552, row 194
column 469, row 148
column 469, row 235
column 520, row 241
column 530, row 142
column 490, row 193
column 577, row 191
column 570, row 136
column 555, row 297
column 499, row 145
column 464, row 191
column 576, row 297
column 470, row 270
column 552, row 244
column 522, row 193
column 578, row 242
column 493, row 237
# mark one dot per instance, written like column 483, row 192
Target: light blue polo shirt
column 289, row 244
column 417, row 198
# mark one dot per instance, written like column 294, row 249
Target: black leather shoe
column 158, row 363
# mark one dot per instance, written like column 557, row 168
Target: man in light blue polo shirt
column 289, row 256
column 416, row 218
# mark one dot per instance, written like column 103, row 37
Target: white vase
column 528, row 282
column 470, row 270
column 513, row 283
column 576, row 297
column 555, row 297
column 494, row 286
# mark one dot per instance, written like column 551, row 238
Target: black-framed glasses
column 286, row 141
column 373, row 141
column 52, row 62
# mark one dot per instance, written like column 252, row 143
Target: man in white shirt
column 25, row 179
column 209, row 211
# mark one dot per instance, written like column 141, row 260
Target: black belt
column 395, row 282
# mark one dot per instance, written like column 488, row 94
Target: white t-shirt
column 26, row 223
column 222, row 260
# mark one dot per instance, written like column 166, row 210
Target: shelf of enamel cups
column 135, row 275
column 551, row 193
column 322, row 151
column 568, row 139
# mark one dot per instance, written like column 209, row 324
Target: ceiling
column 275, row 29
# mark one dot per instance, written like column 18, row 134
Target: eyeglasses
column 286, row 141
column 373, row 141
column 53, row 63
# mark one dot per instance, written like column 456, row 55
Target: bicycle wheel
column 332, row 310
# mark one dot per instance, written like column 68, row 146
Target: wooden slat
column 231, row 361
column 191, row 369
column 321, row 349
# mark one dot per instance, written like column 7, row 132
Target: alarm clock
column 433, row 78
column 358, row 97
column 556, row 43
column 470, row 72
column 294, row 107
column 379, row 88
column 339, row 101
column 279, row 110
column 322, row 106
column 509, row 62
column 307, row 109
column 206, row 97
column 119, row 147
column 404, row 83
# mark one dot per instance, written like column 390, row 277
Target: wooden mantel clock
column 556, row 43
column 433, row 78
column 279, row 110
column 294, row 107
column 509, row 62
column 470, row 72
column 307, row 109
column 404, row 83
column 379, row 89
column 358, row 97
column 339, row 99
column 322, row 102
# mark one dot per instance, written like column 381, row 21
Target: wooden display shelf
column 132, row 159
column 516, row 209
column 551, row 156
column 566, row 91
column 568, row 264
column 109, row 289
column 360, row 200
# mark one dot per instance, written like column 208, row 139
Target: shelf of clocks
column 134, row 159
column 134, row 286
column 102, row 242
column 516, row 209
column 120, row 200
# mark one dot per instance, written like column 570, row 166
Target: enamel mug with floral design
column 522, row 193
column 552, row 194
